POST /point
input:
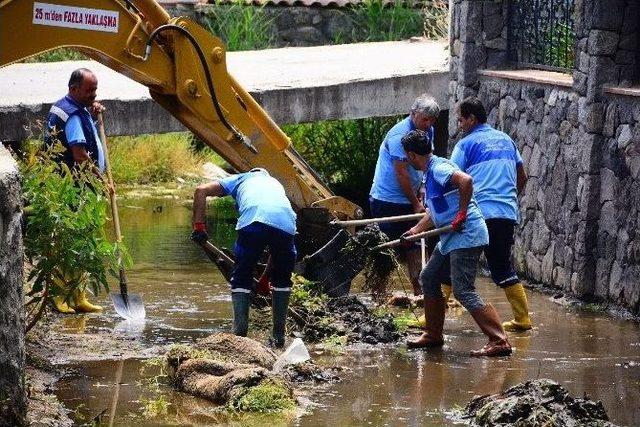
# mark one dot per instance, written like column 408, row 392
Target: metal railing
column 541, row 34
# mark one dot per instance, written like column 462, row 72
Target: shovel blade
column 129, row 307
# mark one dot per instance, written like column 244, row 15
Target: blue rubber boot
column 279, row 306
column 241, row 303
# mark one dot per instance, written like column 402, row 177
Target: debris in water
column 539, row 402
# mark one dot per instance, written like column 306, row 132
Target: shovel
column 423, row 235
column 128, row 306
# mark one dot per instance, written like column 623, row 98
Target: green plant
column 152, row 408
column 240, row 26
column 57, row 55
column 343, row 152
column 65, row 236
column 404, row 320
column 156, row 158
column 561, row 41
column 379, row 21
column 268, row 396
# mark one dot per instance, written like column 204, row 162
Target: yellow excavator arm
column 184, row 67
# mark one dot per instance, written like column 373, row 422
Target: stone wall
column 12, row 387
column 298, row 25
column 580, row 143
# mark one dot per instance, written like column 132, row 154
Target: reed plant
column 161, row 158
column 375, row 20
column 241, row 26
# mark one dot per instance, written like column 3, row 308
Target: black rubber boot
column 279, row 306
column 241, row 303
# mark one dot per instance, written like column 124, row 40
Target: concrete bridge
column 294, row 85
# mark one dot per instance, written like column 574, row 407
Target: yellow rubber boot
column 61, row 305
column 518, row 300
column 82, row 304
column 422, row 320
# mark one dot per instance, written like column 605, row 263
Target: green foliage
column 378, row 21
column 152, row 408
column 305, row 293
column 156, row 158
column 436, row 19
column 343, row 152
column 239, row 26
column 405, row 320
column 65, row 235
column 268, row 396
column 561, row 46
column 57, row 55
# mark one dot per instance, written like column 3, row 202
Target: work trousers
column 464, row 266
column 498, row 252
column 251, row 243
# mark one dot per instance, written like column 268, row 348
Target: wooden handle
column 358, row 222
column 423, row 235
column 112, row 192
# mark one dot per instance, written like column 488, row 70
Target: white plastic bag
column 296, row 353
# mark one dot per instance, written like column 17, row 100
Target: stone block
column 606, row 15
column 492, row 8
column 534, row 267
column 470, row 21
column 622, row 245
column 547, row 265
column 630, row 289
column 610, row 120
column 626, row 57
column 602, row 42
column 492, row 26
column 496, row 59
column 602, row 70
column 608, row 185
column 592, row 116
column 583, row 62
column 628, row 42
column 624, row 136
column 603, row 270
column 580, row 82
column 607, row 222
column 472, row 58
column 631, row 21
column 496, row 43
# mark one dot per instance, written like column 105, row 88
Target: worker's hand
column 458, row 222
column 264, row 286
column 96, row 108
column 199, row 233
column 403, row 242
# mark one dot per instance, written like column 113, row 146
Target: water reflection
column 187, row 298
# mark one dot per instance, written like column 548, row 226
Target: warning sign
column 57, row 15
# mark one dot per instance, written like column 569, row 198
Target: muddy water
column 186, row 298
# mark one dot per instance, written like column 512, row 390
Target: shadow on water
column 187, row 298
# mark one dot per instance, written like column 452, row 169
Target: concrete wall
column 12, row 386
column 580, row 144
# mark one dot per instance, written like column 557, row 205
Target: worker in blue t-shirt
column 71, row 123
column 266, row 220
column 395, row 188
column 449, row 199
column 493, row 160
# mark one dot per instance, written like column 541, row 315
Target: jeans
column 464, row 266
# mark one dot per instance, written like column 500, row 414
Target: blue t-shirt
column 385, row 185
column 260, row 198
column 491, row 158
column 75, row 135
column 443, row 201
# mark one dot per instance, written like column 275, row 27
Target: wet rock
column 238, row 349
column 539, row 402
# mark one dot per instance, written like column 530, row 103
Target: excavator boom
column 184, row 67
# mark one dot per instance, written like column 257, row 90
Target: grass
column 56, row 55
column 156, row 158
column 241, row 27
column 268, row 396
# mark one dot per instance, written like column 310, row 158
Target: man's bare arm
column 200, row 199
column 402, row 175
column 464, row 183
column 521, row 178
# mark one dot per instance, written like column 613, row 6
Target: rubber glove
column 199, row 233
column 458, row 222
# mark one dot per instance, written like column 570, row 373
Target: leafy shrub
column 239, row 26
column 343, row 152
column 65, row 236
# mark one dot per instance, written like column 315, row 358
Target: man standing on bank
column 395, row 184
column 449, row 199
column 71, row 123
column 266, row 220
column 494, row 162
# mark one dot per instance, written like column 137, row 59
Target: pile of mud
column 539, row 402
column 317, row 319
column 237, row 372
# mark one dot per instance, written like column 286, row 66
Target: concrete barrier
column 294, row 85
